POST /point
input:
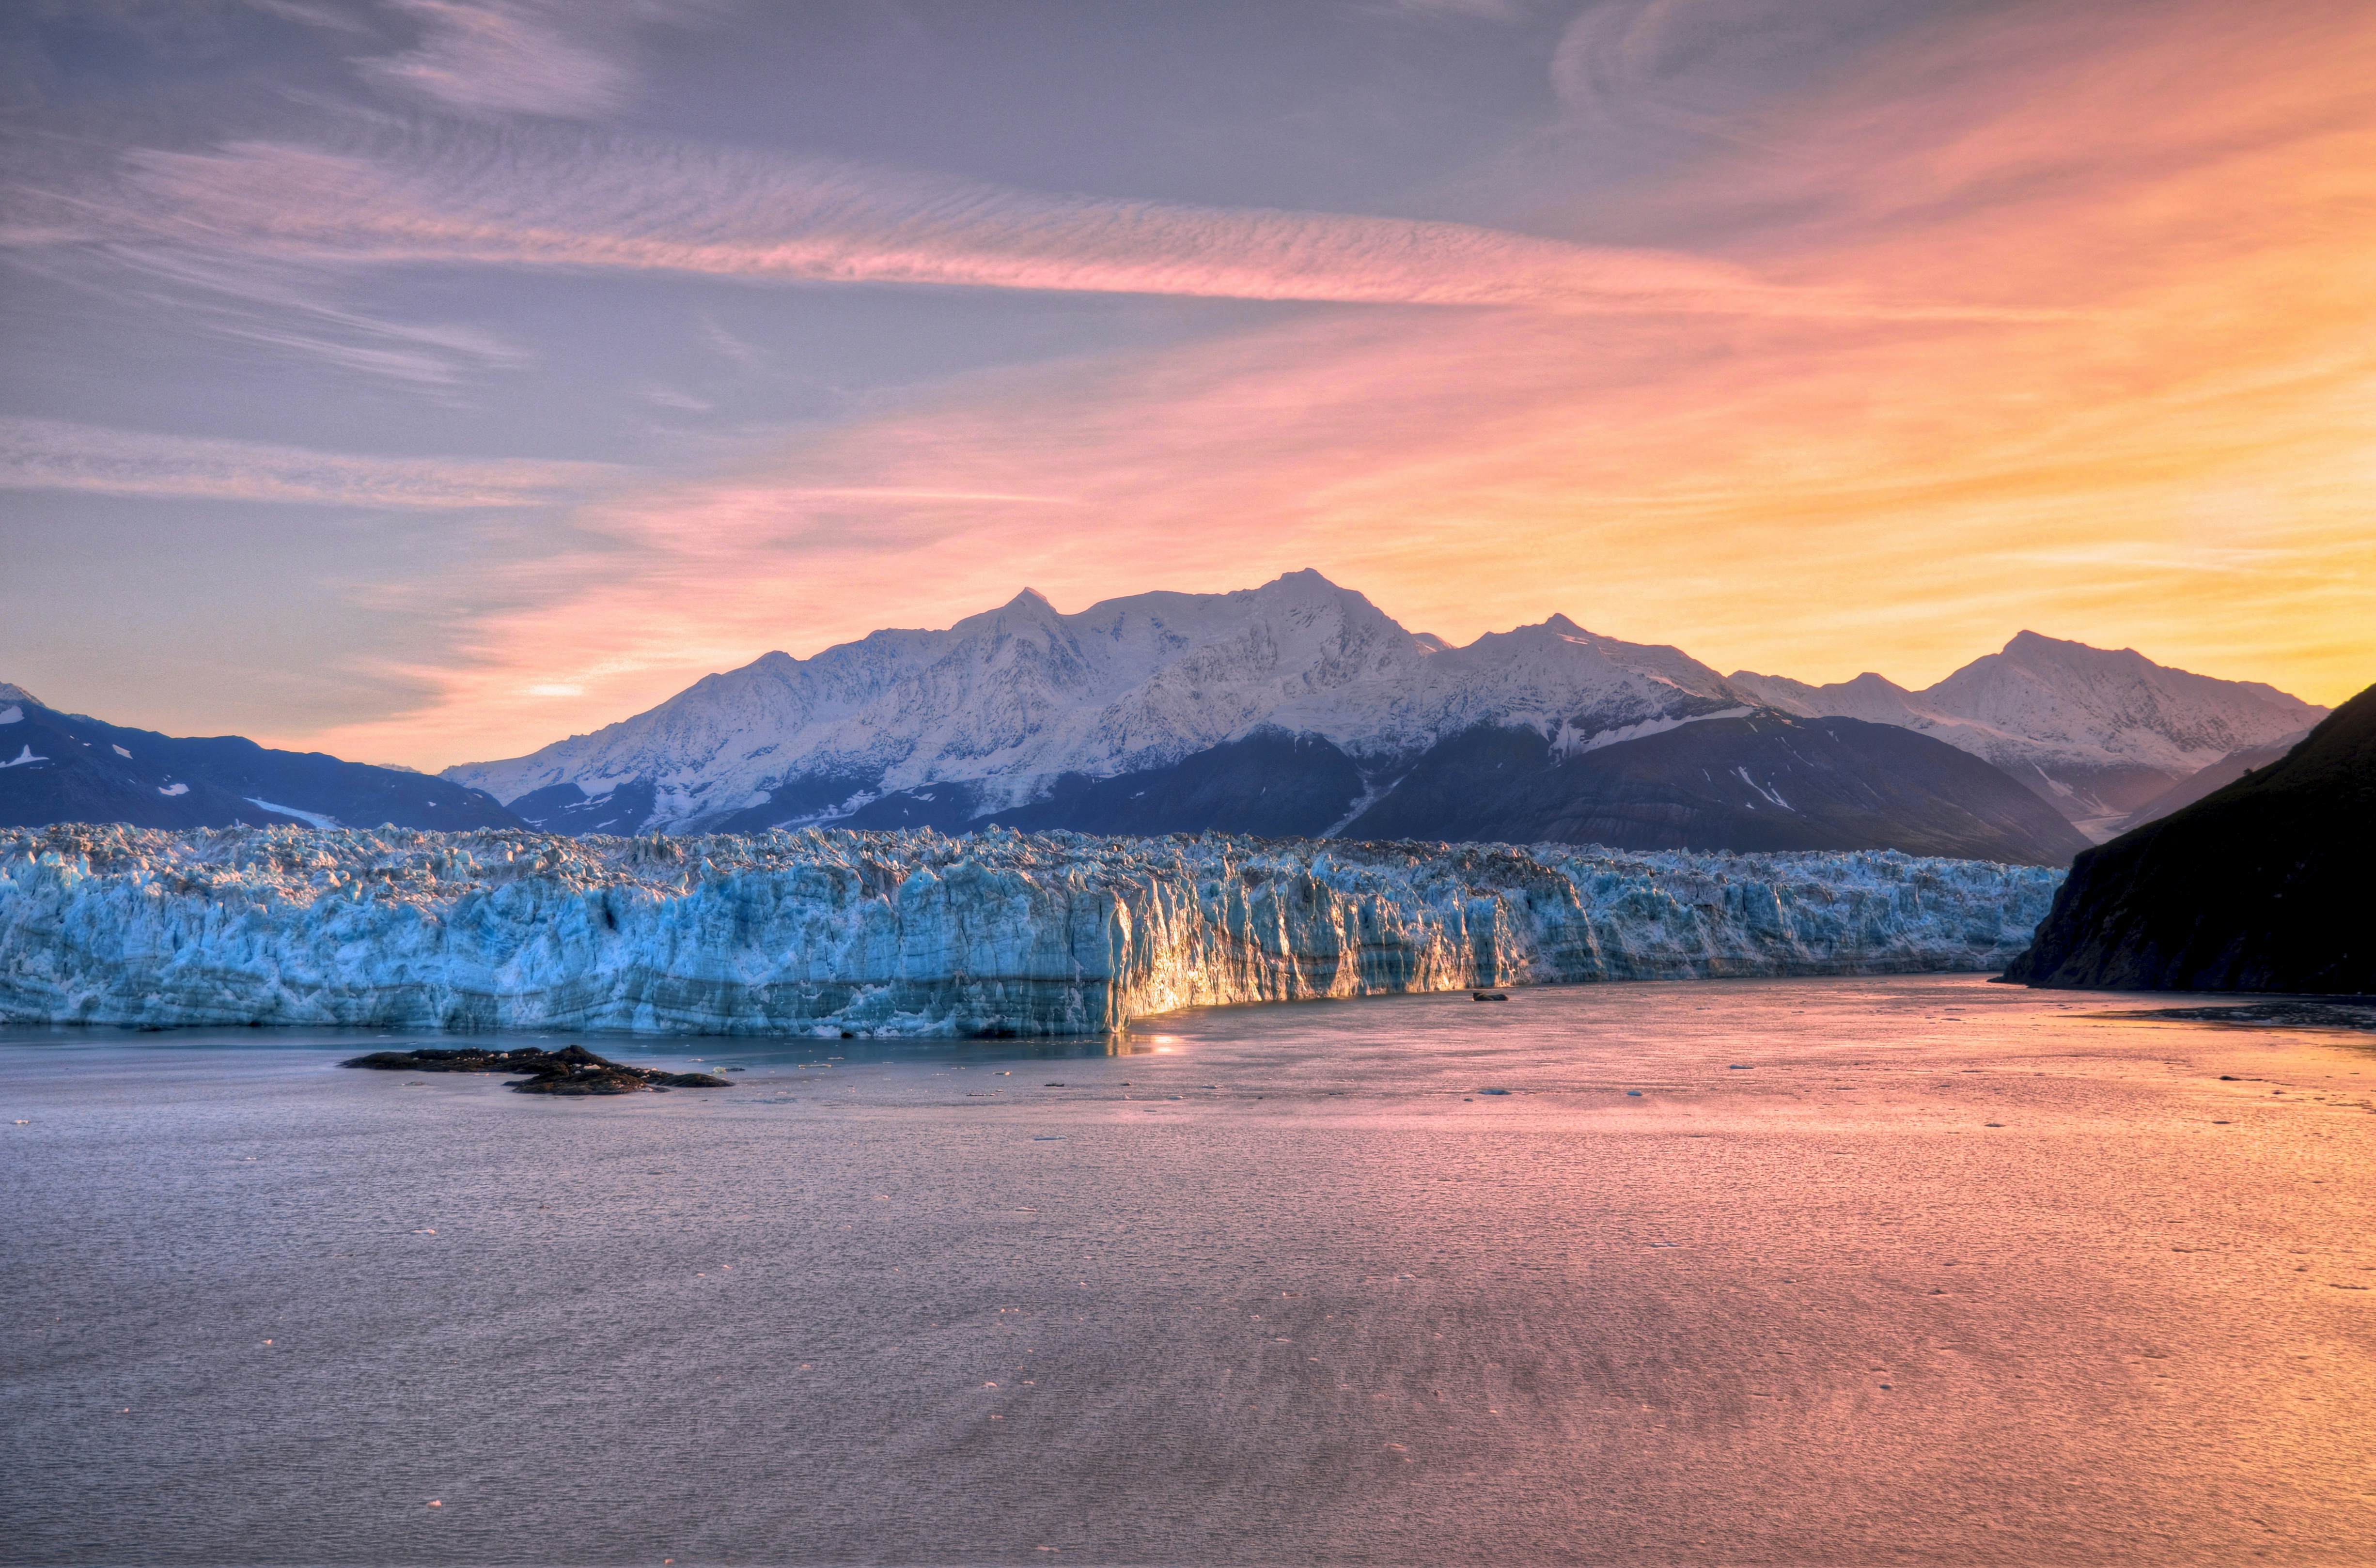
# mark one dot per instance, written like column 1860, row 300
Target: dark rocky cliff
column 2264, row 885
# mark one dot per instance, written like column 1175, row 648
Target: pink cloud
column 505, row 56
column 521, row 199
column 2167, row 451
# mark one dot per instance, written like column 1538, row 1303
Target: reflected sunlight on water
column 1807, row 1271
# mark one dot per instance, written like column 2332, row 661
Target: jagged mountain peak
column 2098, row 732
column 992, row 713
column 1008, row 700
column 2028, row 642
column 2035, row 651
column 9, row 691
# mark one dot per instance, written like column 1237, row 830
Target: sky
column 426, row 380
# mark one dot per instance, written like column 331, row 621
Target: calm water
column 1910, row 1270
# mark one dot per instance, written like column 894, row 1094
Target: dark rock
column 2339, row 1013
column 1269, row 782
column 1765, row 782
column 565, row 808
column 2261, row 885
column 572, row 1070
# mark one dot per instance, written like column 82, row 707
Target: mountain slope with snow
column 2097, row 732
column 2261, row 886
column 1298, row 706
column 70, row 768
column 1770, row 782
column 991, row 713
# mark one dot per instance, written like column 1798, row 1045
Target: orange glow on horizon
column 2165, row 436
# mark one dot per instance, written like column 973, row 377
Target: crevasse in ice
column 915, row 933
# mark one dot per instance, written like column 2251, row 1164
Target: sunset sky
column 426, row 380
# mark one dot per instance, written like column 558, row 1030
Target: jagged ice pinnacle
column 823, row 932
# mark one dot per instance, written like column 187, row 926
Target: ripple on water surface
column 1820, row 1271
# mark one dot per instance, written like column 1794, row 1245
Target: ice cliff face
column 913, row 934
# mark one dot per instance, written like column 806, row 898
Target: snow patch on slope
column 1566, row 743
column 312, row 818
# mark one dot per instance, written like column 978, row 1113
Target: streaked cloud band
column 60, row 456
column 546, row 200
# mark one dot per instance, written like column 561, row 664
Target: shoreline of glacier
column 827, row 933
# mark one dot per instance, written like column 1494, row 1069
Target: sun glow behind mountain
column 1860, row 351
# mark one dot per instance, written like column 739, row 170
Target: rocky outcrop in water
column 571, row 1070
column 913, row 934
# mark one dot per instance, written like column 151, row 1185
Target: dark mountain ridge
column 1767, row 781
column 69, row 768
column 2261, row 885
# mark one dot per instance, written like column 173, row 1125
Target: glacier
column 830, row 933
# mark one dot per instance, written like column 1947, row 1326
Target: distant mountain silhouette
column 67, row 768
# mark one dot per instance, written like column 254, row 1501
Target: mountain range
column 2100, row 733
column 65, row 768
column 1298, row 707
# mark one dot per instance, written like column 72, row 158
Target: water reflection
column 1828, row 1271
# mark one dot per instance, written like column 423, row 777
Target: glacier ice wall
column 914, row 934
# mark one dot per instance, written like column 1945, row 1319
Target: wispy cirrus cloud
column 1453, row 10
column 506, row 57
column 523, row 199
column 2172, row 453
column 60, row 455
column 262, row 302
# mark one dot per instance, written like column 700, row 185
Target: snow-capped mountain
column 2098, row 733
column 1298, row 707
column 1003, row 708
